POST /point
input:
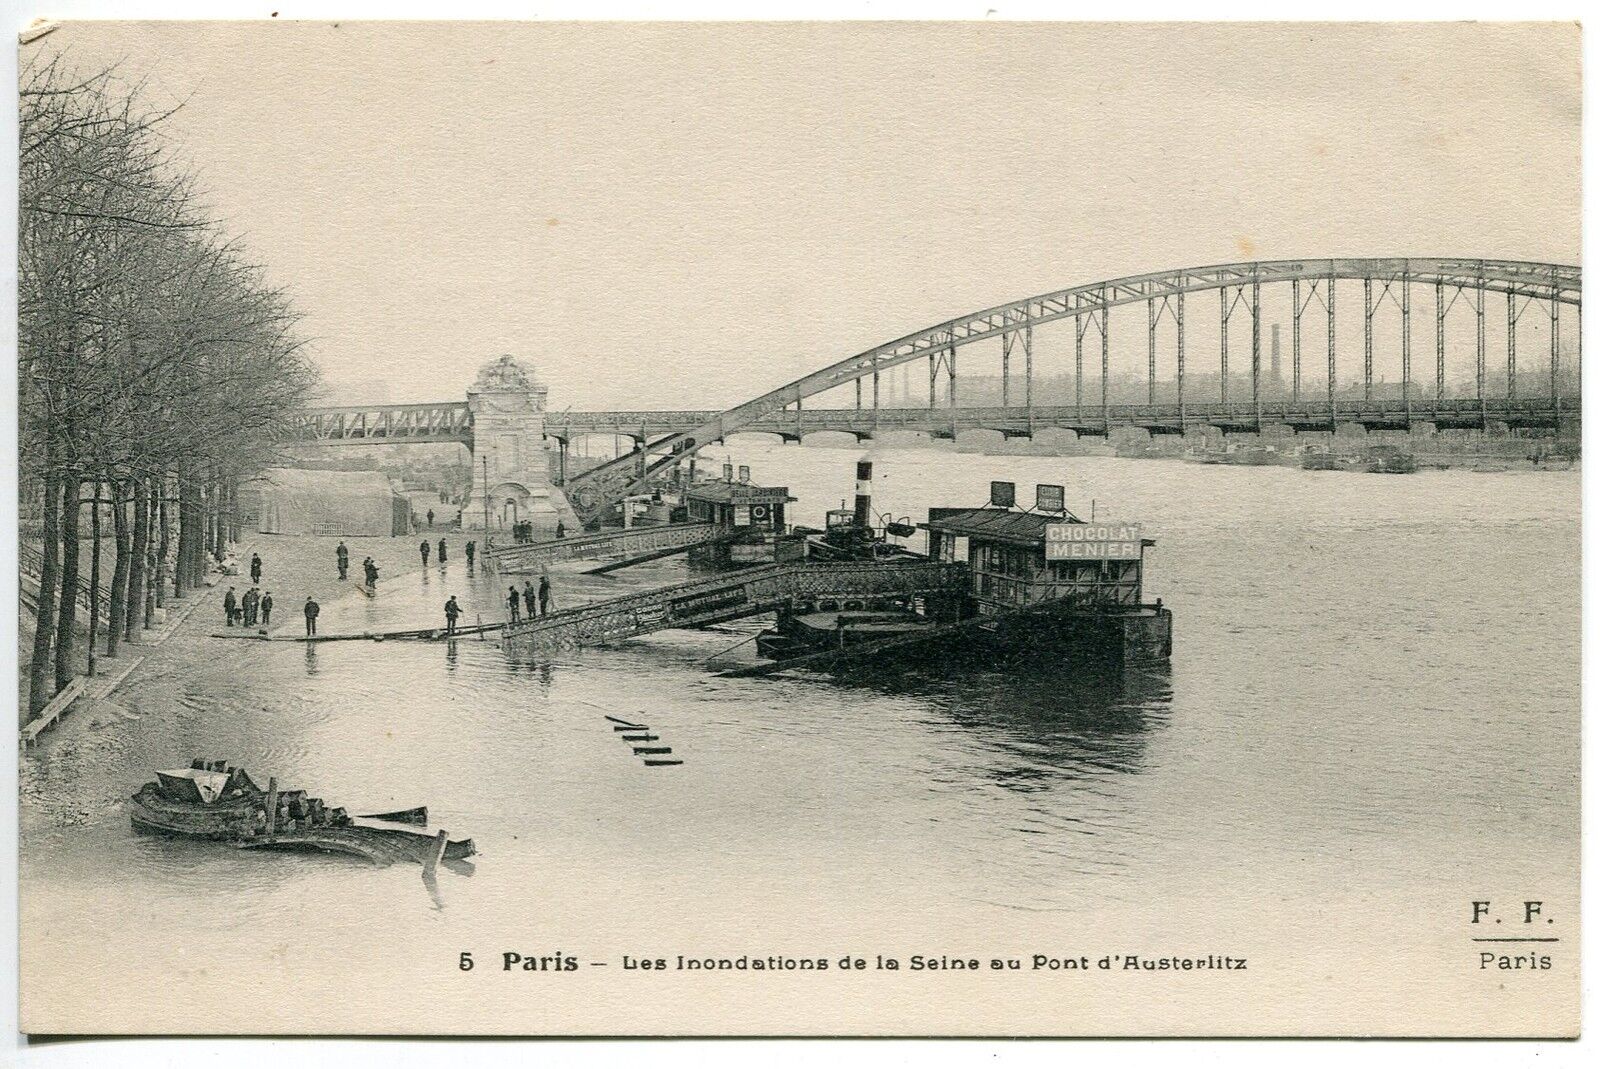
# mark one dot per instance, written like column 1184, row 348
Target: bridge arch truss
column 1528, row 289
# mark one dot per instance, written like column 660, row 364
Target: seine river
column 1371, row 718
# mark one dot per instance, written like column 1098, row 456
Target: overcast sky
column 685, row 216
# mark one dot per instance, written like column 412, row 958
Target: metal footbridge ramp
column 636, row 542
column 749, row 592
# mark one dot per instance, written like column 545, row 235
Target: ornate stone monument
column 507, row 404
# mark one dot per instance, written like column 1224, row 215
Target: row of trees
column 156, row 366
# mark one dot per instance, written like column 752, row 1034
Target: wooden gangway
column 659, row 540
column 748, row 592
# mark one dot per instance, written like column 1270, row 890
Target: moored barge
column 1038, row 580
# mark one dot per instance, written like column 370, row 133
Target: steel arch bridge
column 1525, row 285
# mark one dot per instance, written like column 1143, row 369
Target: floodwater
column 1370, row 719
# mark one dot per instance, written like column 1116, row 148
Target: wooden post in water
column 272, row 807
column 435, row 853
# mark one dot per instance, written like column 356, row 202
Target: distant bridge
column 450, row 422
column 663, row 439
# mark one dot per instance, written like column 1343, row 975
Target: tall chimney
column 863, row 517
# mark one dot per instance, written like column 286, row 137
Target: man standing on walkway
column 425, row 549
column 514, row 600
column 443, row 553
column 266, row 609
column 250, row 607
column 229, row 604
column 344, row 560
column 255, row 567
column 528, row 598
column 451, row 611
column 544, row 595
column 472, row 551
column 312, row 609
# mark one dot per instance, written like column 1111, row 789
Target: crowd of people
column 254, row 607
column 516, row 600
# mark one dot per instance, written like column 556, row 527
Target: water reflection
column 1041, row 721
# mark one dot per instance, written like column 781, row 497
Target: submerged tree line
column 157, row 368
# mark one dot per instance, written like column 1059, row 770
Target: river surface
column 1371, row 717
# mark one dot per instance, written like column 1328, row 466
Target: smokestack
column 863, row 517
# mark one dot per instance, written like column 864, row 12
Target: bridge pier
column 1128, row 436
column 1055, row 437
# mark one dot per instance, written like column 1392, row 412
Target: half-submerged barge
column 215, row 801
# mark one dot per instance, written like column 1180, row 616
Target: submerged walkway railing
column 531, row 556
column 748, row 592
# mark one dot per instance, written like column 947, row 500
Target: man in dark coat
column 255, row 567
column 312, row 609
column 344, row 560
column 266, row 609
column 451, row 611
column 444, row 554
column 472, row 551
column 430, row 517
column 250, row 607
column 229, row 605
column 528, row 598
column 514, row 601
column 544, row 595
column 425, row 549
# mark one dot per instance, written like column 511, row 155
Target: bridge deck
column 748, row 592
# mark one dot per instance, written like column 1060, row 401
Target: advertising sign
column 1002, row 495
column 1093, row 541
column 1048, row 497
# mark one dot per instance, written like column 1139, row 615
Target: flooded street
column 1374, row 684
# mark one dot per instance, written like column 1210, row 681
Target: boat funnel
column 863, row 517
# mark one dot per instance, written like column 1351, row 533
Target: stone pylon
column 510, row 457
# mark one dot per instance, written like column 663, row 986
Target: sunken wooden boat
column 215, row 801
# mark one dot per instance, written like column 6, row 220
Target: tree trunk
column 67, row 617
column 119, row 571
column 94, row 576
column 218, row 531
column 164, row 544
column 152, row 490
column 188, row 535
column 186, row 539
column 39, row 693
column 141, row 536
